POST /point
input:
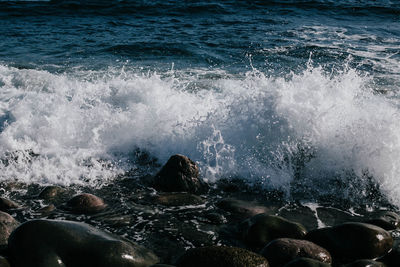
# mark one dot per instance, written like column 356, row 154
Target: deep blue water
column 284, row 93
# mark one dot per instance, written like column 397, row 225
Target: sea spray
column 302, row 131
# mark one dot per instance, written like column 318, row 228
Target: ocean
column 300, row 97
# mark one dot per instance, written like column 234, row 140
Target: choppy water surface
column 298, row 96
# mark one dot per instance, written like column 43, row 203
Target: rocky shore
column 176, row 219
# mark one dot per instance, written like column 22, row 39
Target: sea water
column 296, row 96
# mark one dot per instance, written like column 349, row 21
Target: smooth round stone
column 241, row 208
column 261, row 229
column 306, row 262
column 7, row 225
column 352, row 241
column 365, row 263
column 6, row 204
column 283, row 250
column 179, row 174
column 52, row 243
column 86, row 203
column 221, row 256
column 387, row 220
column 50, row 192
column 178, row 199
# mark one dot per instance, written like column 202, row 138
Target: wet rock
column 47, row 209
column 7, row 225
column 179, row 174
column 4, row 262
column 306, row 262
column 86, row 203
column 221, row 257
column 263, row 228
column 51, row 192
column 301, row 214
column 241, row 208
column 365, row 263
column 351, row 241
column 49, row 243
column 6, row 204
column 385, row 219
column 283, row 250
column 178, row 199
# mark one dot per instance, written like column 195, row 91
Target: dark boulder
column 179, row 174
column 306, row 262
column 85, row 203
column 220, row 256
column 261, row 229
column 50, row 243
column 7, row 225
column 352, row 241
column 283, row 250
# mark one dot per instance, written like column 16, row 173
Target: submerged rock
column 387, row 220
column 365, row 263
column 352, row 241
column 306, row 262
column 51, row 192
column 263, row 228
column 241, row 208
column 50, row 243
column 86, row 203
column 7, row 225
column 6, row 204
column 178, row 199
column 221, row 256
column 283, row 250
column 179, row 174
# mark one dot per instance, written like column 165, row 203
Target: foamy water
column 311, row 128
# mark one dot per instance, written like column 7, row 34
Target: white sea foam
column 313, row 126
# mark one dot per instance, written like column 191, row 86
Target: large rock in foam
column 352, row 241
column 179, row 174
column 51, row 243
